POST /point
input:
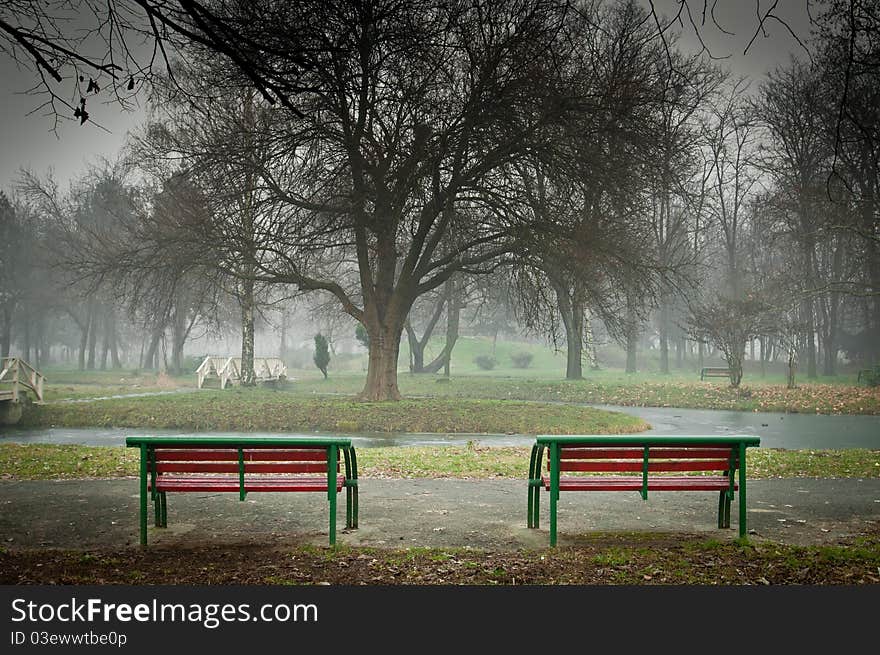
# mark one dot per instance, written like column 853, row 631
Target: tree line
column 567, row 160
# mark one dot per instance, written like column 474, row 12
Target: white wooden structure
column 228, row 370
column 20, row 374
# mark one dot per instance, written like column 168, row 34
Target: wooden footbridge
column 17, row 377
column 228, row 370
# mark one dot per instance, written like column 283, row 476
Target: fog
column 604, row 193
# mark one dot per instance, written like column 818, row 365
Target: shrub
column 521, row 359
column 191, row 363
column 322, row 353
column 485, row 362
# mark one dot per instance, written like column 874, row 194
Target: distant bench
column 244, row 465
column 712, row 464
column 869, row 375
column 710, row 372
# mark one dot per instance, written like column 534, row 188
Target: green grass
column 280, row 411
column 548, row 363
column 614, row 388
column 542, row 381
column 49, row 462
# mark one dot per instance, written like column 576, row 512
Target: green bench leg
column 554, row 490
column 160, row 509
column 534, row 495
column 742, row 492
column 351, row 505
column 354, row 500
column 332, row 453
column 536, row 508
column 143, row 495
column 724, row 499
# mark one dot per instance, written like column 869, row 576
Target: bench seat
column 229, row 483
column 634, row 483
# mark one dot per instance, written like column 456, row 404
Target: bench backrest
column 632, row 459
column 254, row 459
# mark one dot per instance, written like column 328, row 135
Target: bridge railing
column 21, row 374
column 228, row 369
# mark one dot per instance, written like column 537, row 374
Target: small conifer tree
column 322, row 354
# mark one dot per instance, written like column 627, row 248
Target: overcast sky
column 27, row 139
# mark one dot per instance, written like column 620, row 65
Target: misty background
column 150, row 237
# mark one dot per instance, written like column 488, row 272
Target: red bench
column 245, row 465
column 589, row 462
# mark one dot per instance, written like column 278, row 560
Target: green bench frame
column 239, row 480
column 554, row 444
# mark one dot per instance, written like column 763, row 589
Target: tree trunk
column 830, row 337
column 381, row 381
column 84, row 343
column 453, row 315
column 592, row 351
column 632, row 339
column 792, row 368
column 664, row 335
column 735, row 365
column 416, row 350
column 151, row 360
column 571, row 310
column 282, row 346
column 6, row 333
column 575, row 345
column 105, row 341
column 26, row 346
column 246, row 301
column 114, row 342
column 812, row 370
column 93, row 335
column 763, row 344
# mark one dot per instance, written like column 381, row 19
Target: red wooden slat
column 292, row 455
column 610, row 483
column 611, row 466
column 208, row 484
column 196, row 467
column 249, row 467
column 231, row 454
column 657, row 452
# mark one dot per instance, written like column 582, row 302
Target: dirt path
column 481, row 514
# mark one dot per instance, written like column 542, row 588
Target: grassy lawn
column 49, row 462
column 283, row 411
column 542, row 381
column 618, row 389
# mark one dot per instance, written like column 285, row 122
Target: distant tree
column 729, row 324
column 322, row 354
column 11, row 249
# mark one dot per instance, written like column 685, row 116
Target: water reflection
column 776, row 431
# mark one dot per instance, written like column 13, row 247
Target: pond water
column 776, row 430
